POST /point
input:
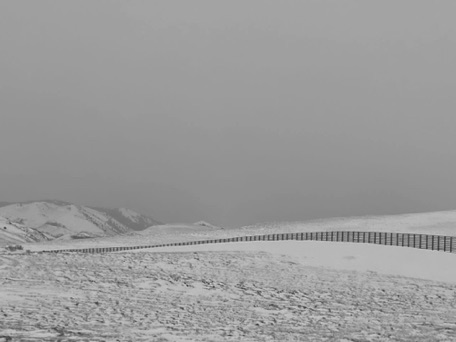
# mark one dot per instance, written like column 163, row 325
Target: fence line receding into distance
column 421, row 241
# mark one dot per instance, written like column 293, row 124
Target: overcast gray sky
column 235, row 111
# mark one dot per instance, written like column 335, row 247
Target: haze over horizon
column 230, row 112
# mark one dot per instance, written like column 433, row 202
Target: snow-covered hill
column 130, row 218
column 12, row 233
column 206, row 224
column 182, row 228
column 63, row 220
column 438, row 222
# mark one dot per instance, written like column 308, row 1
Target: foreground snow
column 247, row 291
column 388, row 260
column 213, row 296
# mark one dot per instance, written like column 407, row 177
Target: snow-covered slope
column 439, row 222
column 57, row 219
column 15, row 233
column 129, row 218
column 181, row 228
column 206, row 224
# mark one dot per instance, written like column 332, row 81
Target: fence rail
column 421, row 241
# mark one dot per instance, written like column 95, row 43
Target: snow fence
column 421, row 241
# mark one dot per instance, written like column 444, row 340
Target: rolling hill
column 437, row 222
column 15, row 233
column 49, row 220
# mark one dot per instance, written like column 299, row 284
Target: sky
column 234, row 112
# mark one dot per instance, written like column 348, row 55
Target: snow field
column 388, row 260
column 246, row 291
column 214, row 296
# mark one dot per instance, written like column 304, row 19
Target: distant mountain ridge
column 206, row 224
column 130, row 218
column 54, row 219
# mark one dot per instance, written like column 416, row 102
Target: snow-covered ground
column 247, row 291
column 388, row 260
column 214, row 296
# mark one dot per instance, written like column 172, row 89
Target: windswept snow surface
column 213, row 296
column 388, row 260
column 247, row 291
